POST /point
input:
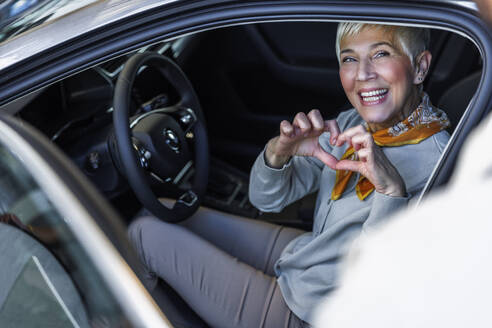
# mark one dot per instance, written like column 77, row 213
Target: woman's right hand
column 300, row 138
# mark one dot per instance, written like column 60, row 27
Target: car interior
column 247, row 78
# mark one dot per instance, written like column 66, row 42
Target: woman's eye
column 380, row 54
column 348, row 59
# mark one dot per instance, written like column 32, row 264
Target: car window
column 260, row 77
column 47, row 278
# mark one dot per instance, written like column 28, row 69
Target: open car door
column 64, row 260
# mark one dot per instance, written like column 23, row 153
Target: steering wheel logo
column 172, row 139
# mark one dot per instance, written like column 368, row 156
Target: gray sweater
column 307, row 269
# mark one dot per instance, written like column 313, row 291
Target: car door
column 64, row 260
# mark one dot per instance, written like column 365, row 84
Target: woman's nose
column 365, row 71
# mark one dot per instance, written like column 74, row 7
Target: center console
column 228, row 190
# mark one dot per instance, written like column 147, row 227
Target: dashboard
column 76, row 113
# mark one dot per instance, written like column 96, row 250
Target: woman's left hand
column 371, row 163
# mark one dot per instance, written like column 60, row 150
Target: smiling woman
column 381, row 70
column 366, row 164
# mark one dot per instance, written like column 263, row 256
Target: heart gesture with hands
column 300, row 138
column 370, row 162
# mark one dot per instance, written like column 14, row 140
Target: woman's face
column 378, row 77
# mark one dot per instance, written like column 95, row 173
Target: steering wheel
column 157, row 145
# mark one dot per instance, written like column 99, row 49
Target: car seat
column 36, row 289
column 456, row 99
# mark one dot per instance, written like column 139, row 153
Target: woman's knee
column 137, row 233
column 155, row 240
column 137, row 229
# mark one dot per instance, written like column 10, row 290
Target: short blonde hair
column 412, row 40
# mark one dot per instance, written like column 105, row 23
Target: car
column 108, row 105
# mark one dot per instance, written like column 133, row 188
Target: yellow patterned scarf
column 425, row 121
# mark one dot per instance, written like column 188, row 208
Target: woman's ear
column 422, row 65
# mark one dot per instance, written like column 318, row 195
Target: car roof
column 73, row 18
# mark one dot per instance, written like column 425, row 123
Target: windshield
column 18, row 16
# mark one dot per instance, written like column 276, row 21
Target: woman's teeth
column 373, row 95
